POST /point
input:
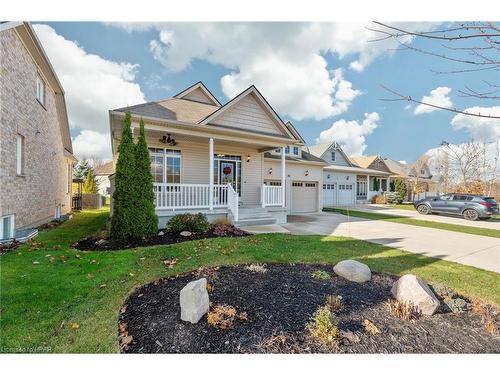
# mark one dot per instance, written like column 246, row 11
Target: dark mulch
column 282, row 301
column 168, row 238
column 9, row 246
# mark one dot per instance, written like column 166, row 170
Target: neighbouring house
column 418, row 177
column 344, row 182
column 238, row 160
column 36, row 154
column 102, row 173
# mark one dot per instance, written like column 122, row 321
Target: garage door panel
column 329, row 194
column 345, row 194
column 304, row 197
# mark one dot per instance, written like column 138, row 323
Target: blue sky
column 395, row 131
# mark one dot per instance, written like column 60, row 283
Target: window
column 272, row 183
column 297, row 184
column 7, row 227
column 165, row 165
column 287, row 150
column 310, row 184
column 333, row 155
column 295, row 150
column 422, row 171
column 278, row 150
column 40, row 90
column 19, row 155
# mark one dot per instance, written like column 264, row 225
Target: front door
column 227, row 173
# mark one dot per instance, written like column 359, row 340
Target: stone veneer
column 33, row 196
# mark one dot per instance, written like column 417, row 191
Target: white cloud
column 479, row 128
column 284, row 60
column 351, row 135
column 93, row 85
column 439, row 96
column 92, row 144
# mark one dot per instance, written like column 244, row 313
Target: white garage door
column 304, row 197
column 329, row 195
column 345, row 194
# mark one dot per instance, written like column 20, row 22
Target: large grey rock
column 353, row 270
column 194, row 300
column 186, row 233
column 412, row 289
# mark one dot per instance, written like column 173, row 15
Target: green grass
column 420, row 223
column 407, row 206
column 39, row 302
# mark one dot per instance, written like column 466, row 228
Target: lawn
column 420, row 223
column 57, row 299
column 407, row 206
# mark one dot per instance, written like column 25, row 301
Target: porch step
column 262, row 220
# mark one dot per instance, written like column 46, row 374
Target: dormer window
column 295, row 150
column 422, row 171
column 40, row 90
column 287, row 150
column 333, row 155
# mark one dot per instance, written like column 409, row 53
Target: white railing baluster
column 271, row 196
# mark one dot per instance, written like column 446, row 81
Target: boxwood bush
column 196, row 223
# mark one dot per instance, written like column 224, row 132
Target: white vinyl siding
column 40, row 90
column 198, row 96
column 248, row 114
column 7, row 227
column 19, row 155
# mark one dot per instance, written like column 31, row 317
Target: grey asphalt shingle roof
column 305, row 157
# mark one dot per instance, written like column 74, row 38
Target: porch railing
column 272, row 196
column 188, row 196
column 232, row 202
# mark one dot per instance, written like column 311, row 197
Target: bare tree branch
column 402, row 97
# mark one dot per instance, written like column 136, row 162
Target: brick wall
column 33, row 196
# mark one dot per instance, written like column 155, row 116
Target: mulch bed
column 168, row 238
column 9, row 246
column 279, row 304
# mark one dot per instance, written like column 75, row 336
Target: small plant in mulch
column 490, row 317
column 451, row 300
column 370, row 327
column 226, row 230
column 256, row 268
column 334, row 303
column 323, row 328
column 195, row 223
column 280, row 343
column 224, row 316
column 321, row 275
column 403, row 310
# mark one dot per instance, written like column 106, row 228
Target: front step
column 263, row 220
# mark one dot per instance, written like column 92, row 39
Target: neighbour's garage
column 304, row 197
column 346, row 194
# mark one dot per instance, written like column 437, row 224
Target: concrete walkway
column 381, row 209
column 478, row 251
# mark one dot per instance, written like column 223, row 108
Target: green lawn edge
column 40, row 301
column 488, row 232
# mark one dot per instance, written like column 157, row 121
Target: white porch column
column 211, row 173
column 283, row 176
column 388, row 188
column 368, row 195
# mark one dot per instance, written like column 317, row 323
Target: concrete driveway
column 478, row 251
column 382, row 209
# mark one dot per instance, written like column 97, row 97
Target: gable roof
column 320, row 149
column 363, row 161
column 202, row 90
column 105, row 169
column 397, row 168
column 30, row 40
column 294, row 131
column 172, row 109
column 252, row 90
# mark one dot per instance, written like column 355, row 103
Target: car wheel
column 423, row 209
column 471, row 214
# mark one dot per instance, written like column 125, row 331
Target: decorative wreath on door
column 226, row 170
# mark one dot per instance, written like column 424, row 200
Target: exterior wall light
column 248, row 158
column 307, row 173
column 270, row 171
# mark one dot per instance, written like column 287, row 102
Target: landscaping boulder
column 194, row 300
column 412, row 289
column 353, row 271
column 186, row 233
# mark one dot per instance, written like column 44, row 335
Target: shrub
column 221, row 221
column 223, row 316
column 370, row 327
column 225, row 230
column 402, row 310
column 196, row 223
column 90, row 184
column 334, row 303
column 379, row 199
column 321, row 275
column 393, row 198
column 400, row 188
column 323, row 328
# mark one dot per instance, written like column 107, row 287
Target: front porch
column 366, row 187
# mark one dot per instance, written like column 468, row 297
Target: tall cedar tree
column 123, row 220
column 147, row 221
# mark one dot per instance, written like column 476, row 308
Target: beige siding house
column 346, row 182
column 238, row 160
column 35, row 145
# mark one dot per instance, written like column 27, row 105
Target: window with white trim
column 7, row 227
column 20, row 154
column 295, row 150
column 165, row 165
column 40, row 90
column 333, row 155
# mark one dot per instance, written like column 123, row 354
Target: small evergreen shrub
column 400, row 188
column 323, row 328
column 321, row 275
column 90, row 184
column 196, row 223
column 393, row 198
